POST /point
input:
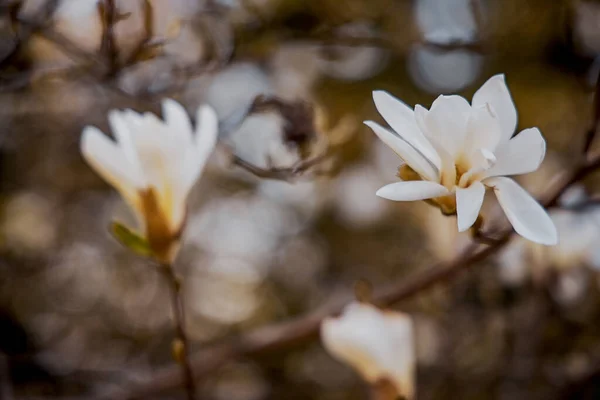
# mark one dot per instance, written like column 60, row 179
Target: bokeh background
column 81, row 316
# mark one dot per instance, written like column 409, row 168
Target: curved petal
column 526, row 215
column 178, row 121
column 413, row 190
column 522, row 154
column 402, row 356
column 196, row 156
column 378, row 344
column 483, row 130
column 161, row 158
column 496, row 93
column 111, row 163
column 468, row 204
column 411, row 156
column 207, row 131
column 401, row 119
column 446, row 122
column 122, row 132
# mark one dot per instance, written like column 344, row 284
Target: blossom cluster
column 451, row 154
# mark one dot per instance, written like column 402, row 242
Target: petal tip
column 383, row 193
column 551, row 239
column 88, row 134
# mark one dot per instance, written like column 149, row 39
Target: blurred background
column 81, row 316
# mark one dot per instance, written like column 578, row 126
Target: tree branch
column 286, row 174
column 288, row 334
column 181, row 344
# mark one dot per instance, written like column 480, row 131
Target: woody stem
column 180, row 344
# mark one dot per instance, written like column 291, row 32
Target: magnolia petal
column 468, row 204
column 483, row 131
column 403, row 362
column 413, row 190
column 207, row 131
column 448, row 170
column 111, row 163
column 195, row 156
column 408, row 154
column 401, row 119
column 161, row 157
column 522, row 154
column 122, row 132
column 178, row 121
column 496, row 93
column 446, row 122
column 378, row 344
column 527, row 216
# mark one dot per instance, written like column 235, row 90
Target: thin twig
column 181, row 344
column 142, row 45
column 332, row 39
column 108, row 46
column 288, row 334
column 286, row 174
column 24, row 31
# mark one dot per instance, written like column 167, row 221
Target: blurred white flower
column 577, row 248
column 154, row 164
column 455, row 150
column 378, row 344
column 435, row 70
column 353, row 194
column 295, row 70
column 29, row 223
column 585, row 27
column 446, row 21
column 353, row 63
column 78, row 20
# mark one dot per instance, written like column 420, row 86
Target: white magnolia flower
column 154, row 164
column 378, row 344
column 454, row 150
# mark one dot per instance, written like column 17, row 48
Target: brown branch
column 287, row 174
column 332, row 39
column 108, row 46
column 24, row 31
column 181, row 344
column 146, row 39
column 67, row 45
column 287, row 334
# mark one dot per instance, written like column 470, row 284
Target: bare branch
column 181, row 348
column 288, row 334
column 108, row 47
column 287, row 174
column 333, row 39
column 24, row 31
